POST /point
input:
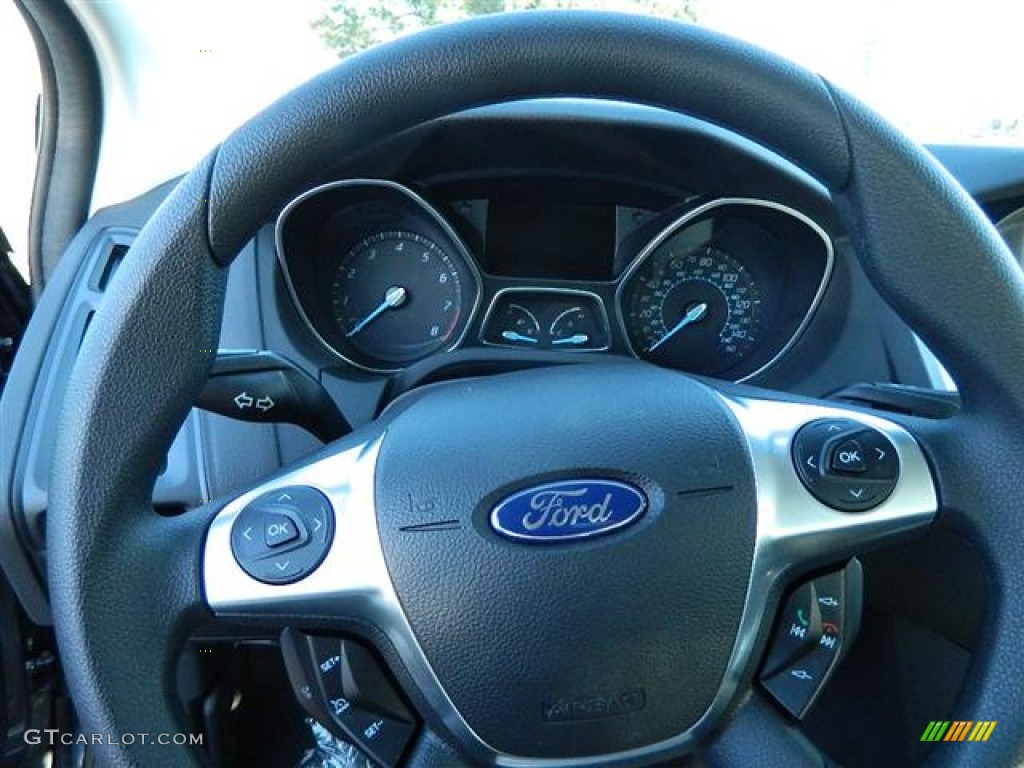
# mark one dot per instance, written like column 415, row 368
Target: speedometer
column 697, row 309
column 725, row 288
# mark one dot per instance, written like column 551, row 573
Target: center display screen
column 545, row 240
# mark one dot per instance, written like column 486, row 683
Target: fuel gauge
column 577, row 328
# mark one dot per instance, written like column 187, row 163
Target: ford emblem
column 572, row 509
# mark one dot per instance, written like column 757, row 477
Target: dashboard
column 527, row 234
column 515, row 236
column 384, row 278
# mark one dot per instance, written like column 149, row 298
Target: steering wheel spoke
column 343, row 588
column 303, row 544
column 831, row 482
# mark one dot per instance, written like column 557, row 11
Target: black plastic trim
column 70, row 125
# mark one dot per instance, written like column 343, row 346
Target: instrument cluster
column 384, row 278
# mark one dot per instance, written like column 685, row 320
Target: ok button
column 848, row 456
column 279, row 529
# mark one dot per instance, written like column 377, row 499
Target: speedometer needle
column 394, row 297
column 696, row 313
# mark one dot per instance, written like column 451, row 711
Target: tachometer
column 377, row 274
column 397, row 296
column 697, row 309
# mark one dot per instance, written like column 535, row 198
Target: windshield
column 187, row 72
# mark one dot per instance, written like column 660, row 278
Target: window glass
column 181, row 74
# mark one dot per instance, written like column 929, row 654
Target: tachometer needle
column 513, row 336
column 695, row 314
column 394, row 297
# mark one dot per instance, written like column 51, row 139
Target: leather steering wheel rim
column 125, row 583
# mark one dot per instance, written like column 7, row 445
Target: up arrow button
column 844, row 464
column 283, row 535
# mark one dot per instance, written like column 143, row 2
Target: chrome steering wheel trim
column 795, row 534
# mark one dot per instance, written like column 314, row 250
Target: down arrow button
column 845, row 465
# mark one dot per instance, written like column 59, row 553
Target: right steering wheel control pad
column 282, row 536
column 846, row 465
column 816, row 627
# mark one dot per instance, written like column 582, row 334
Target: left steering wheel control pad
column 282, row 536
column 846, row 465
column 342, row 686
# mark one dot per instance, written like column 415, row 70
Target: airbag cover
column 581, row 646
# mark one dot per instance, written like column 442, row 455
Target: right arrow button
column 882, row 463
column 845, row 465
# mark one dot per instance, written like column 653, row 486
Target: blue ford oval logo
column 573, row 509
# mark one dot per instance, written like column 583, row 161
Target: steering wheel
column 478, row 629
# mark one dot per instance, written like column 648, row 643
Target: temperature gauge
column 547, row 318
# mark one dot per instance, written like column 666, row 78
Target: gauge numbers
column 698, row 310
column 397, row 297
